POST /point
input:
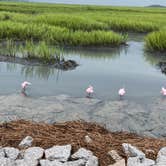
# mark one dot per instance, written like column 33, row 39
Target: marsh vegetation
column 81, row 25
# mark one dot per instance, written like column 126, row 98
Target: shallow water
column 108, row 2
column 105, row 68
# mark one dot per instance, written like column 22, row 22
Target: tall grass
column 71, row 22
column 86, row 18
column 11, row 48
column 156, row 41
column 98, row 38
column 78, row 25
column 39, row 51
column 31, row 50
column 58, row 35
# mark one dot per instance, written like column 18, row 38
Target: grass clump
column 58, row 35
column 71, row 22
column 133, row 26
column 31, row 50
column 99, row 38
column 156, row 41
column 40, row 51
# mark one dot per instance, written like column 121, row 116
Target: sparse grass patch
column 31, row 50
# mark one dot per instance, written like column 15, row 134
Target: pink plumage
column 90, row 90
column 163, row 91
column 121, row 92
column 25, row 84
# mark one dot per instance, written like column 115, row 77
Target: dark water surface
column 108, row 2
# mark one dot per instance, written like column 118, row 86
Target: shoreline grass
column 156, row 41
column 31, row 50
column 76, row 25
column 59, row 35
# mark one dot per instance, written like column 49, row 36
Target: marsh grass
column 58, row 35
column 76, row 25
column 11, row 48
column 156, row 41
column 31, row 50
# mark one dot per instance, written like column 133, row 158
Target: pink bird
column 89, row 91
column 121, row 92
column 24, row 85
column 163, row 91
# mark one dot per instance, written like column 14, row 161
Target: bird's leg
column 23, row 90
column 88, row 95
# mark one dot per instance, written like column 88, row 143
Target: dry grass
column 47, row 135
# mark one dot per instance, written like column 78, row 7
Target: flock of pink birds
column 90, row 90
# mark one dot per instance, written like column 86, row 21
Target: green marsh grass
column 78, row 25
column 31, row 50
column 156, row 41
column 58, row 35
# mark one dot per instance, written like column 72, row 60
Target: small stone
column 6, row 162
column 138, row 161
column 60, row 153
column 114, row 155
column 21, row 154
column 88, row 139
column 11, row 152
column 161, row 157
column 82, row 153
column 119, row 163
column 2, row 153
column 92, row 161
column 26, row 142
column 50, row 163
column 80, row 162
column 132, row 151
column 34, row 153
column 24, row 162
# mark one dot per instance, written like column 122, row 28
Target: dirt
column 46, row 135
column 64, row 65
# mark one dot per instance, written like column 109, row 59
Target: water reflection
column 97, row 53
column 156, row 59
column 43, row 72
column 39, row 72
column 105, row 68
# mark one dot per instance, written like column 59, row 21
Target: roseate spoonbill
column 89, row 91
column 24, row 85
column 121, row 92
column 163, row 91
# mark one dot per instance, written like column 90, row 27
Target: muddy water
column 142, row 110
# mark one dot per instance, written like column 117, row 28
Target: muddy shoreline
column 120, row 115
column 64, row 65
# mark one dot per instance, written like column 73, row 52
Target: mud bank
column 115, row 115
column 63, row 65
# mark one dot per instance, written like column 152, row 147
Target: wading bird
column 89, row 91
column 121, row 92
column 24, row 85
column 163, row 91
